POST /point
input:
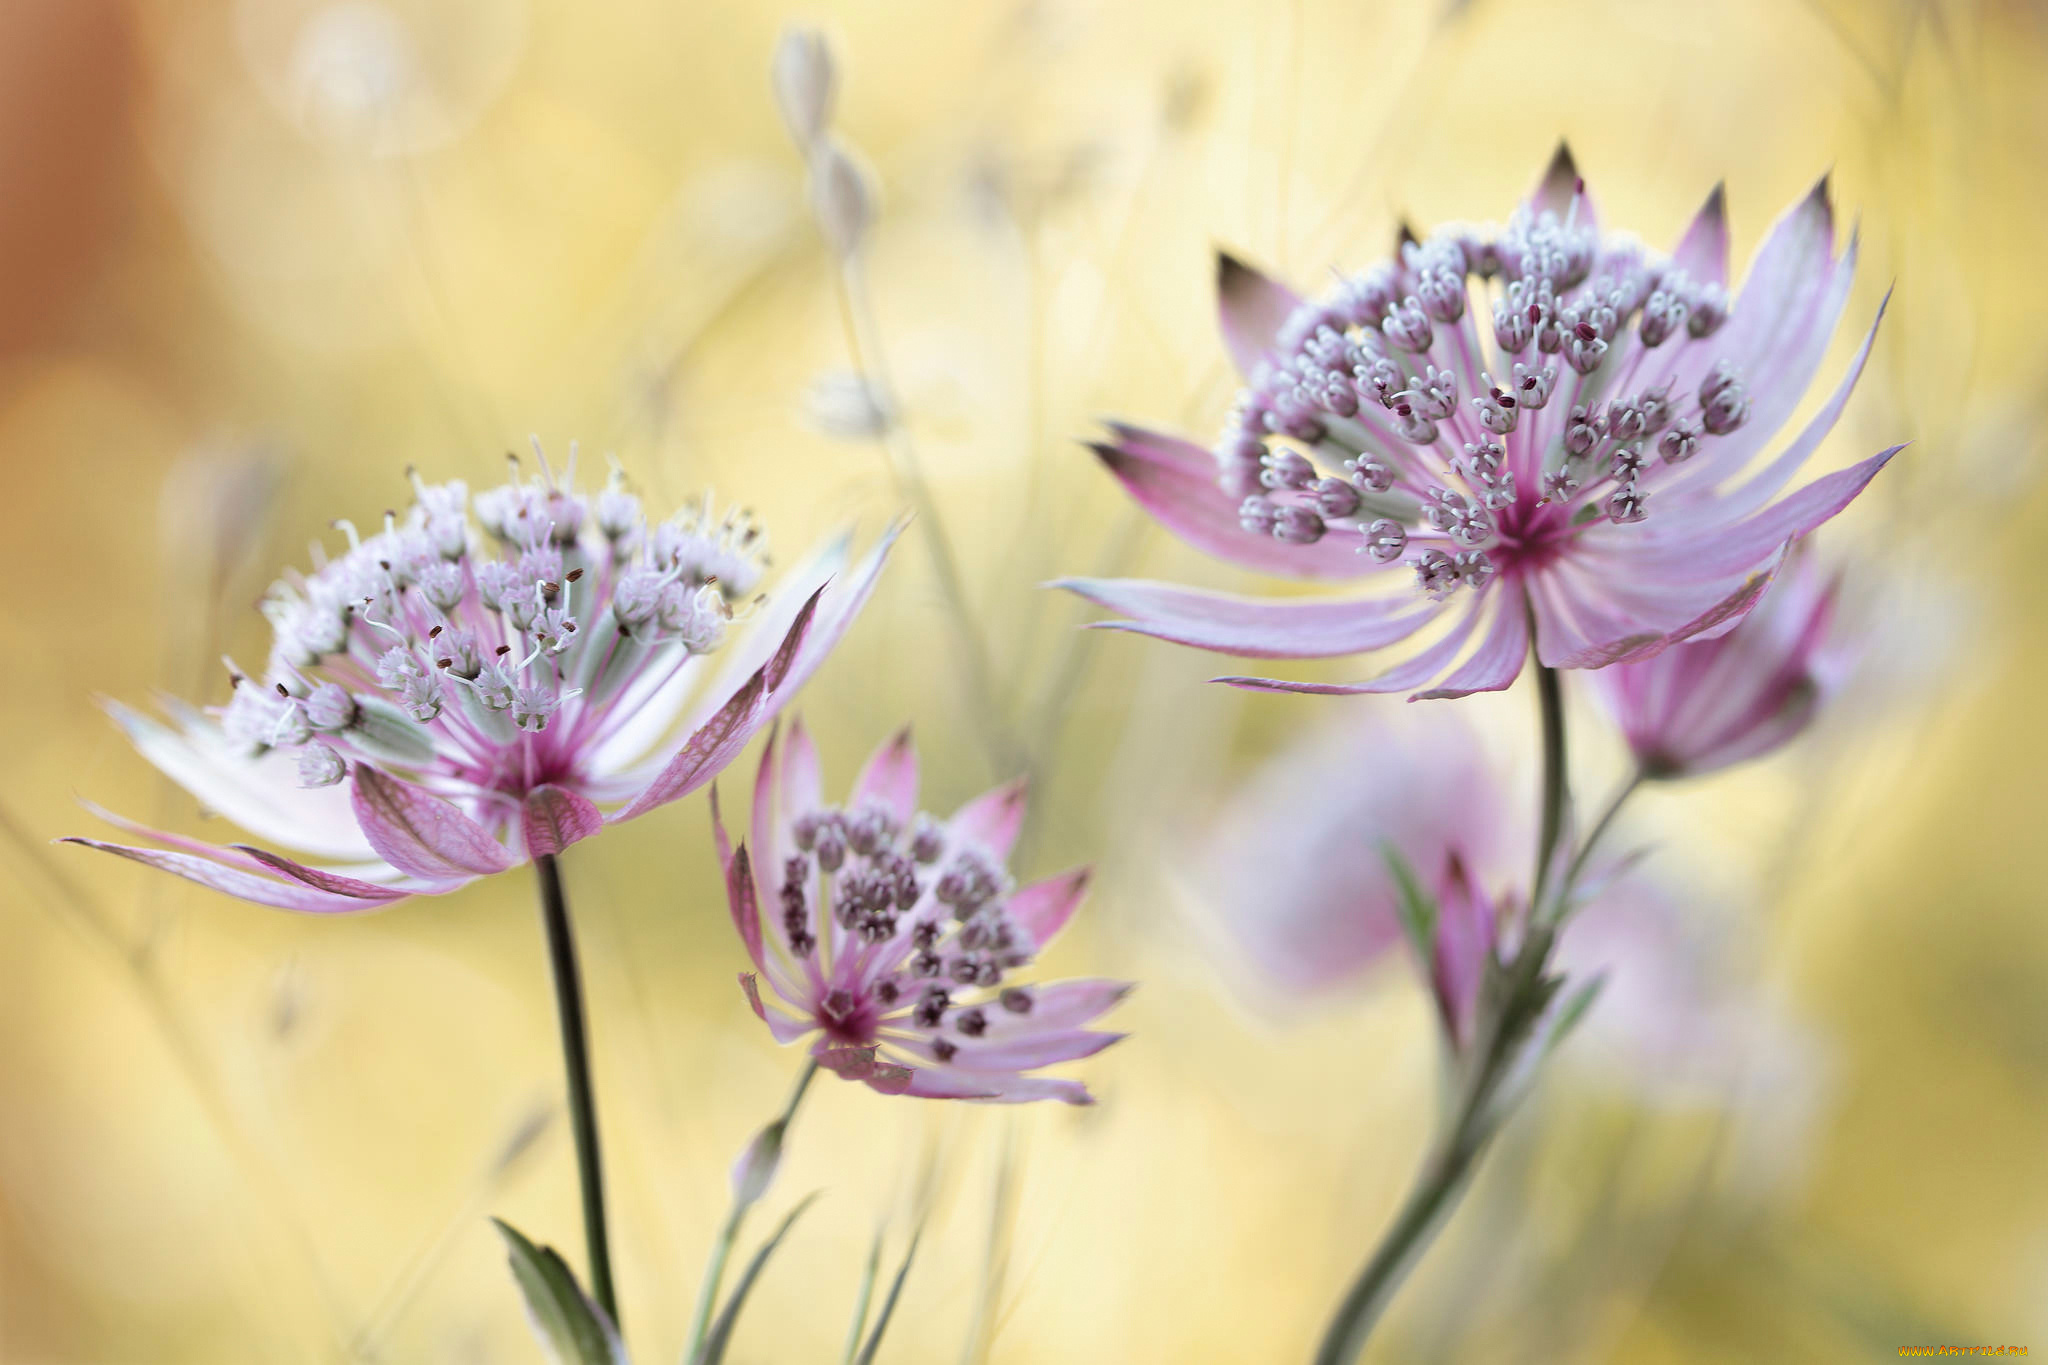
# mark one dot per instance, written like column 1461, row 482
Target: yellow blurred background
column 261, row 255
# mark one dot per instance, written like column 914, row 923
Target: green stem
column 1636, row 778
column 1550, row 702
column 729, row 1233
column 1511, row 1004
column 576, row 1062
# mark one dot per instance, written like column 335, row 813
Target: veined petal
column 890, row 779
column 992, row 819
column 1761, row 487
column 741, row 896
column 1562, row 191
column 1745, row 544
column 1703, row 252
column 1021, row 1053
column 781, row 1027
column 1175, row 480
column 1058, row 1006
column 244, row 885
column 553, row 818
column 1402, row 676
column 1042, row 909
column 1498, row 660
column 1260, row 628
column 707, row 752
column 1252, row 308
column 340, row 884
column 262, row 795
column 420, row 833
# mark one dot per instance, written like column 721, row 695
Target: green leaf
column 867, row 1352
column 1417, row 908
column 728, row 1319
column 572, row 1329
column 1573, row 1010
column 862, row 1301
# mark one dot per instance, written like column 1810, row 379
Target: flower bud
column 804, row 80
column 842, row 196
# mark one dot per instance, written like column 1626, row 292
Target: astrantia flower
column 1706, row 704
column 1536, row 423
column 895, row 938
column 1297, row 866
column 440, row 704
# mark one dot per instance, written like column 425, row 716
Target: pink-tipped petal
column 781, row 1027
column 705, row 754
column 335, row 883
column 1254, row 627
column 890, row 779
column 1739, row 547
column 420, row 833
column 1252, row 308
column 1562, row 190
column 1023, row 1052
column 1175, row 481
column 1042, row 909
column 554, row 818
column 1058, row 1006
column 1497, row 662
column 1424, row 667
column 1703, row 252
column 992, row 819
column 741, row 896
column 243, row 885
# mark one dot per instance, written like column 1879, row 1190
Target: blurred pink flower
column 892, row 935
column 1706, row 704
column 1588, row 469
column 439, row 706
column 1296, row 862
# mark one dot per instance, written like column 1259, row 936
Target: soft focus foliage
column 263, row 254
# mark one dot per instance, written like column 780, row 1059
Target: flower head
column 1538, row 423
column 450, row 696
column 1706, row 704
column 1301, row 865
column 895, row 937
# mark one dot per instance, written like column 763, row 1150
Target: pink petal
column 320, row 879
column 1562, row 191
column 1042, row 909
column 553, row 818
column 1413, row 673
column 993, row 819
column 1022, row 1053
column 1498, row 660
column 1703, row 252
column 1761, row 487
column 1058, row 1006
column 707, row 752
column 742, row 898
column 1175, row 480
column 248, row 886
column 1260, row 628
column 933, row 1083
column 890, row 779
column 418, row 832
column 1252, row 309
column 781, row 1027
column 1734, row 549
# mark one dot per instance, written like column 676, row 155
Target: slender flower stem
column 721, row 1250
column 863, row 340
column 1637, row 776
column 554, row 909
column 1511, row 1002
column 1556, row 790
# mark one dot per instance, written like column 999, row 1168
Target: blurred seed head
column 844, row 404
column 805, row 82
column 842, row 195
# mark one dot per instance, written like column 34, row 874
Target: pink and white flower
column 440, row 705
column 893, row 937
column 1706, row 704
column 1550, row 428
